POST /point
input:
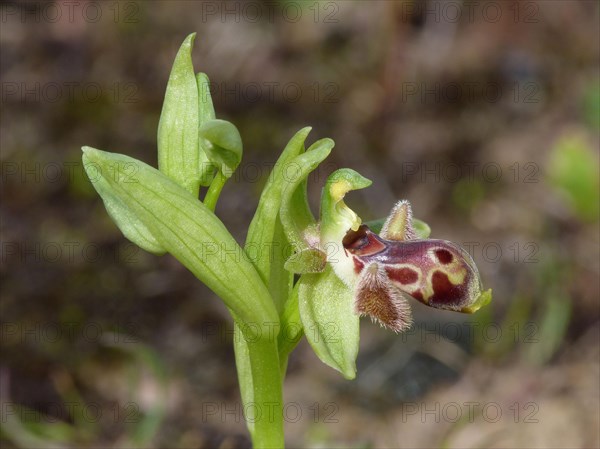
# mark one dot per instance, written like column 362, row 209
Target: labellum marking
column 404, row 275
column 444, row 256
column 444, row 291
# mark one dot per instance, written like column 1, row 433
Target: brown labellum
column 437, row 273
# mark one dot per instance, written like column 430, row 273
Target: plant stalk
column 265, row 414
column 212, row 195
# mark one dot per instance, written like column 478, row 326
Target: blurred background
column 485, row 115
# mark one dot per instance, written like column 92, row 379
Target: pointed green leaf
column 206, row 112
column 131, row 227
column 332, row 328
column 223, row 144
column 185, row 227
column 178, row 151
column 265, row 234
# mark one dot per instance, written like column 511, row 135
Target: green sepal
column 223, row 145
column 187, row 229
column 178, row 150
column 422, row 229
column 296, row 215
column 331, row 327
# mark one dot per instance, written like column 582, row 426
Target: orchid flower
column 375, row 275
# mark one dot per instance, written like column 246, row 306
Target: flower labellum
column 395, row 265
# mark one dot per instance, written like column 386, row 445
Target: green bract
column 294, row 275
column 178, row 150
column 330, row 324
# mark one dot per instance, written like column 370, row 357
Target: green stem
column 266, row 413
column 212, row 195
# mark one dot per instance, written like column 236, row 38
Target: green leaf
column 131, row 227
column 223, row 145
column 188, row 230
column 206, row 112
column 178, row 151
column 332, row 328
column 265, row 241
